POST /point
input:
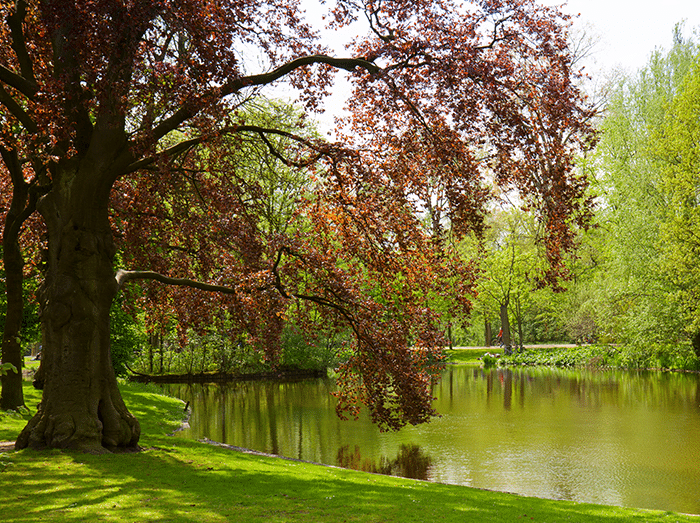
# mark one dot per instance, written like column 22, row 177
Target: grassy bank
column 469, row 355
column 179, row 480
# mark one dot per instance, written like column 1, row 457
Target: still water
column 611, row 437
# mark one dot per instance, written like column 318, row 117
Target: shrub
column 677, row 357
column 489, row 360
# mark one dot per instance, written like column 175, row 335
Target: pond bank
column 177, row 480
column 222, row 377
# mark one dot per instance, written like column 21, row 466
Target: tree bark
column 487, row 331
column 695, row 340
column 12, row 396
column 82, row 407
column 505, row 325
column 519, row 319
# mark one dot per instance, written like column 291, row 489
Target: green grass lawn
column 175, row 479
column 469, row 356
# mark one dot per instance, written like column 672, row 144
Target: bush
column 676, row 357
column 126, row 338
column 297, row 352
column 490, row 360
column 214, row 352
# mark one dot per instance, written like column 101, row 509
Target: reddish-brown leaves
column 151, row 101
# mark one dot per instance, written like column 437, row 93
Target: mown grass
column 469, row 356
column 175, row 479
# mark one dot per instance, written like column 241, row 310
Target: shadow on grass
column 180, row 480
column 197, row 482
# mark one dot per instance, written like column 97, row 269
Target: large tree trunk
column 81, row 406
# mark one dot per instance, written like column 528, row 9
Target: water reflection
column 628, row 438
column 410, row 462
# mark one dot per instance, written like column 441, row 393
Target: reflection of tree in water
column 410, row 462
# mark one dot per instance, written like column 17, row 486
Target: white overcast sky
column 630, row 30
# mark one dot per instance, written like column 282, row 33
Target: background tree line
column 634, row 277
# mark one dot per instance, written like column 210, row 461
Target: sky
column 630, row 30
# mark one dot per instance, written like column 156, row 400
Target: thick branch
column 17, row 111
column 19, row 44
column 173, row 122
column 349, row 64
column 35, row 191
column 123, row 276
column 12, row 79
column 188, row 110
column 170, row 151
column 24, row 195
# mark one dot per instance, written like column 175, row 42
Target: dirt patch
column 7, row 446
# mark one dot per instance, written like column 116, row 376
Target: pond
column 610, row 437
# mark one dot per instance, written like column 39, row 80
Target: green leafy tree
column 511, row 265
column 636, row 301
column 677, row 151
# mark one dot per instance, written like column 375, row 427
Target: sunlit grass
column 12, row 422
column 175, row 479
column 469, row 356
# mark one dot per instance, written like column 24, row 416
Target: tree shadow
column 206, row 483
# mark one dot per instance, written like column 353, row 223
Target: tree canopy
column 677, row 151
column 130, row 122
column 637, row 298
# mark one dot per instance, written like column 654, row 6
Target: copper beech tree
column 131, row 120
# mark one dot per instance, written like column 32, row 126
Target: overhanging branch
column 186, row 145
column 123, row 276
column 189, row 109
column 263, row 131
column 349, row 64
column 170, row 151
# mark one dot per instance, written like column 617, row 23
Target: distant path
column 544, row 346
